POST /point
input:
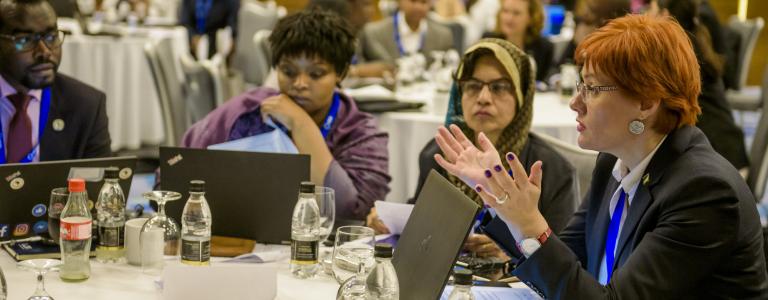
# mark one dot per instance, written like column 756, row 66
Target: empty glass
column 55, row 206
column 40, row 267
column 353, row 252
column 326, row 202
column 160, row 235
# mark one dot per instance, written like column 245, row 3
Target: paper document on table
column 394, row 215
column 275, row 141
column 370, row 92
column 495, row 293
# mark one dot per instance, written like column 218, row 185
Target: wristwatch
column 530, row 245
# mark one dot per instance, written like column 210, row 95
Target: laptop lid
column 432, row 238
column 25, row 190
column 251, row 194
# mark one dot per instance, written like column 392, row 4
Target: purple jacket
column 359, row 170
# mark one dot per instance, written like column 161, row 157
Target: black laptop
column 251, row 194
column 432, row 238
column 25, row 190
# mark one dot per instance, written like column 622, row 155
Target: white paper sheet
column 495, row 293
column 275, row 141
column 394, row 215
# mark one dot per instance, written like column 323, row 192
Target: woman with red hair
column 665, row 217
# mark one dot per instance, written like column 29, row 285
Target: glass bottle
column 382, row 283
column 75, row 234
column 110, row 216
column 462, row 286
column 305, row 228
column 196, row 227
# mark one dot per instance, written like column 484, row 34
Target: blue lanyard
column 477, row 226
column 202, row 8
column 398, row 42
column 325, row 129
column 331, row 117
column 43, row 119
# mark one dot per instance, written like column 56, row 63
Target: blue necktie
column 613, row 234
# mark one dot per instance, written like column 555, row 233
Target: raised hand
column 462, row 158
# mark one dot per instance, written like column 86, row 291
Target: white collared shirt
column 7, row 110
column 411, row 40
column 628, row 180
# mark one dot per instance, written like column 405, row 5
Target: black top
column 223, row 13
column 558, row 188
column 541, row 49
column 691, row 232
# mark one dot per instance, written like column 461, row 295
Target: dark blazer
column 223, row 13
column 692, row 232
column 377, row 41
column 558, row 193
column 83, row 110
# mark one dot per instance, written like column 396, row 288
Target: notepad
column 495, row 293
column 394, row 215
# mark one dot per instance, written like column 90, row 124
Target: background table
column 118, row 67
column 409, row 132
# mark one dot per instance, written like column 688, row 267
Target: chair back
column 254, row 17
column 748, row 31
column 582, row 160
column 162, row 59
column 199, row 88
column 758, row 169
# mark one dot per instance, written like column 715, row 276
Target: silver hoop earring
column 636, row 127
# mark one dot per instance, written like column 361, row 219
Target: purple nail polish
column 479, row 189
column 497, row 168
column 510, row 156
column 510, row 173
column 488, row 173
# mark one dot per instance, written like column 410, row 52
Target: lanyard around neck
column 202, row 9
column 45, row 107
column 398, row 40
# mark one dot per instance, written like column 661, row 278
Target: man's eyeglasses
column 498, row 87
column 28, row 42
column 592, row 91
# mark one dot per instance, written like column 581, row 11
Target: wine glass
column 40, row 267
column 160, row 235
column 326, row 203
column 352, row 252
column 56, row 204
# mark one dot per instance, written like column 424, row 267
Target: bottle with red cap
column 75, row 235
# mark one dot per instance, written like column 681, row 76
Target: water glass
column 352, row 250
column 56, row 204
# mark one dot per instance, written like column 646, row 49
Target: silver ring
column 502, row 199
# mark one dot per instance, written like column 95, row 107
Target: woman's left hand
column 514, row 195
column 284, row 110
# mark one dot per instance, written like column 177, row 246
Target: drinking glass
column 353, row 252
column 160, row 235
column 40, row 267
column 56, row 204
column 326, row 202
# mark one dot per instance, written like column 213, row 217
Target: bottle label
column 75, row 228
column 195, row 251
column 111, row 237
column 304, row 252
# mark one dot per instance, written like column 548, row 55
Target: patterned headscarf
column 521, row 71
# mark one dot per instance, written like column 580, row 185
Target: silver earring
column 636, row 127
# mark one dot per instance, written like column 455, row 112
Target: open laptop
column 251, row 194
column 25, row 190
column 432, row 238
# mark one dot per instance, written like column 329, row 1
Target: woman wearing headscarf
column 493, row 93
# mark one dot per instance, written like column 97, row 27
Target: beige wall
column 757, row 8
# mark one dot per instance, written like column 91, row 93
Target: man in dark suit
column 44, row 115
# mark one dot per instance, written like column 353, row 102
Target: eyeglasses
column 586, row 91
column 498, row 87
column 28, row 42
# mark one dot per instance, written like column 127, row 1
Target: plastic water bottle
column 462, row 286
column 196, row 227
column 382, row 283
column 75, row 234
column 110, row 216
column 305, row 227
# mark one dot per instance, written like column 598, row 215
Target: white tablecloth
column 409, row 132
column 118, row 67
column 126, row 282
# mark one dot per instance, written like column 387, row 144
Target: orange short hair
column 649, row 58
